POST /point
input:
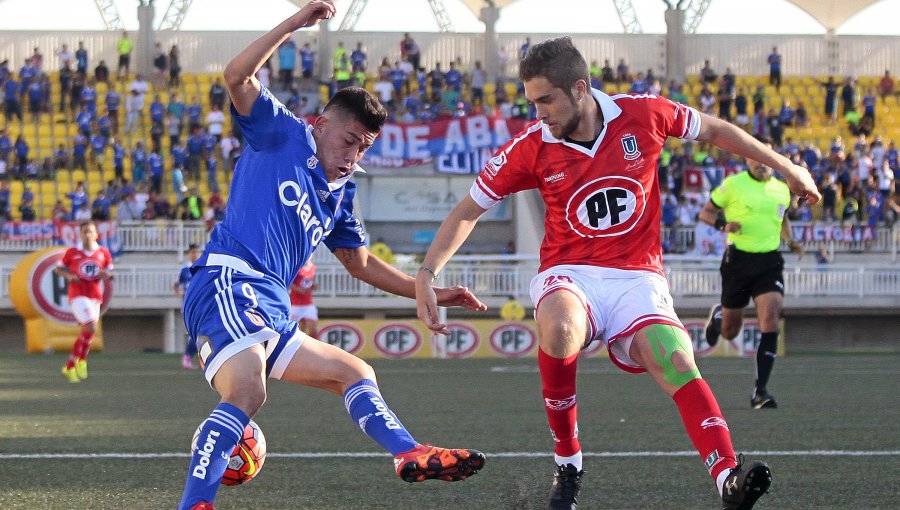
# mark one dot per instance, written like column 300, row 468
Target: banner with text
column 63, row 233
column 459, row 146
column 407, row 199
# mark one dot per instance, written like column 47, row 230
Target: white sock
column 575, row 460
column 720, row 480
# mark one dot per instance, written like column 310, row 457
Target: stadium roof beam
column 440, row 15
column 175, row 14
column 110, row 14
column 353, row 13
column 694, row 15
column 628, row 17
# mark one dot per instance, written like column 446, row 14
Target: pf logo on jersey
column 608, row 206
column 88, row 270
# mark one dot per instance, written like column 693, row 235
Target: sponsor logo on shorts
column 254, row 318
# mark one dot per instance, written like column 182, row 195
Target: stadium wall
column 746, row 54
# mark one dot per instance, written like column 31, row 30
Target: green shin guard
column 665, row 340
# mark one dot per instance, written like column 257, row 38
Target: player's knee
column 250, row 399
column 730, row 331
column 90, row 327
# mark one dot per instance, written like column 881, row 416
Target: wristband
column 434, row 275
column 720, row 224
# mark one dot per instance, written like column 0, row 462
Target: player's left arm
column 360, row 263
column 732, row 139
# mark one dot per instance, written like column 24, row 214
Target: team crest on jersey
column 494, row 164
column 630, row 146
column 605, row 207
column 312, row 162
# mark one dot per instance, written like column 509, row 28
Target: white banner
column 407, row 199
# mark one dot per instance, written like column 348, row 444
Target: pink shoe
column 187, row 362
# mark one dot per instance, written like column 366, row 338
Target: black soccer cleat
column 564, row 491
column 762, row 400
column 743, row 487
column 714, row 325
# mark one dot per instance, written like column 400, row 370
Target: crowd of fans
column 177, row 143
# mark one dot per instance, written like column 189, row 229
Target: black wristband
column 720, row 224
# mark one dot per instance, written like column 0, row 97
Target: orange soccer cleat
column 203, row 505
column 427, row 462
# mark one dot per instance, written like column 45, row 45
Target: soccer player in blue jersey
column 180, row 288
column 291, row 191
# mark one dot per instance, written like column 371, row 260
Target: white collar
column 610, row 111
column 332, row 186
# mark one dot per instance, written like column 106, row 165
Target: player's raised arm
column 450, row 236
column 737, row 141
column 240, row 73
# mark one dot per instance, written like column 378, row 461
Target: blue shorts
column 226, row 311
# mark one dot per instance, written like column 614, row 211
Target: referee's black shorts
column 746, row 275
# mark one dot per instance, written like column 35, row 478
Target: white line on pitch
column 513, row 455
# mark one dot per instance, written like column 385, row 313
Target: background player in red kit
column 593, row 158
column 84, row 267
column 302, row 308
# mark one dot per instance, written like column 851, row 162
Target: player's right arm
column 455, row 229
column 243, row 87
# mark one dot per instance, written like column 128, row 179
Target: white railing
column 497, row 279
column 134, row 237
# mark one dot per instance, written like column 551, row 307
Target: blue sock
column 219, row 434
column 365, row 405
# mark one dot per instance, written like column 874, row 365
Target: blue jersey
column 281, row 206
column 184, row 277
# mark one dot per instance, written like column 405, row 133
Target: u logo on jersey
column 630, row 146
column 604, row 207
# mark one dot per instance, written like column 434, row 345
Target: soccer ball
column 247, row 458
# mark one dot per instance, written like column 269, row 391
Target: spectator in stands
column 26, row 210
column 868, row 102
column 100, row 207
column 124, row 46
column 741, row 111
column 638, row 85
column 801, row 116
column 502, row 63
column 22, row 150
column 178, row 186
column 98, row 151
column 786, row 115
column 410, row 51
column 155, row 165
column 81, row 59
column 133, row 106
column 215, row 121
column 65, row 56
column 774, row 61
column 65, row 86
column 217, row 94
column 194, row 153
column 623, row 75
column 849, row 96
column 191, row 207
column 11, row 103
column 160, row 66
column 774, row 127
column 4, row 201
column 707, row 101
column 162, row 208
column 230, row 148
column 79, row 200
column 101, row 72
column 307, row 60
column 886, row 85
column 707, row 74
column 359, row 59
column 128, row 209
column 436, row 78
column 476, row 84
column 174, row 67
column 726, row 98
column 6, row 145
column 831, row 90
column 287, row 61
column 35, row 101
column 59, row 212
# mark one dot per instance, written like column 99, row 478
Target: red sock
column 74, row 355
column 85, row 340
column 558, row 382
column 705, row 426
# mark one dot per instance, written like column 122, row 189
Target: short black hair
column 361, row 105
column 557, row 60
column 193, row 246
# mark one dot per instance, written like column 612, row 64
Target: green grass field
column 833, row 443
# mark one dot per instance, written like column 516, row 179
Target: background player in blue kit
column 180, row 288
column 291, row 191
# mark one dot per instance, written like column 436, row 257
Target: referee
column 754, row 206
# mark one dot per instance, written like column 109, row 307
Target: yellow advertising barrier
column 41, row 298
column 484, row 338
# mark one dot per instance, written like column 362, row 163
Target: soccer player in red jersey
column 593, row 157
column 83, row 267
column 302, row 308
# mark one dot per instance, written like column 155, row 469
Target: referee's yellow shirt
column 758, row 206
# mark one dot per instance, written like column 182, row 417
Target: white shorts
column 299, row 313
column 618, row 302
column 85, row 309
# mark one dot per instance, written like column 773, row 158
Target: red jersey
column 86, row 266
column 305, row 279
column 602, row 203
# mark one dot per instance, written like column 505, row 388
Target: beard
column 569, row 127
